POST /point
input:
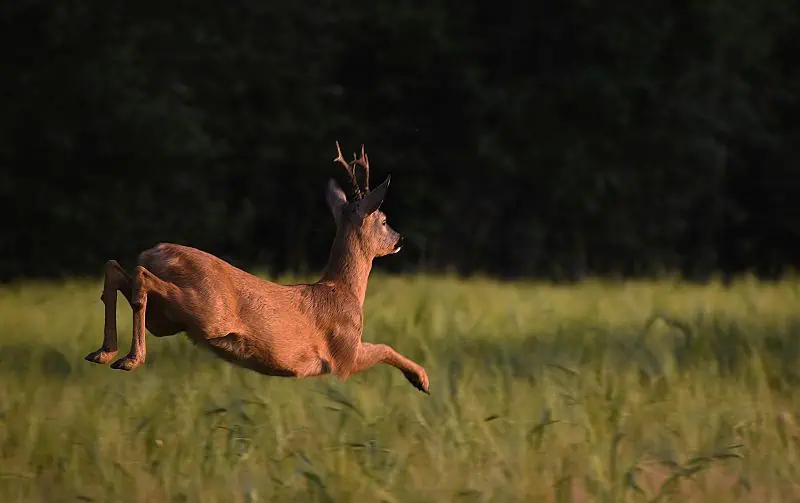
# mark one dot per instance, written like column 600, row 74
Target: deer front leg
column 115, row 279
column 370, row 355
column 143, row 284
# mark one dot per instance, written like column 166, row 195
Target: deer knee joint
column 137, row 302
column 139, row 293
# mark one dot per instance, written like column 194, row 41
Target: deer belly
column 254, row 355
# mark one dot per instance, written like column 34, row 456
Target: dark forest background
column 554, row 139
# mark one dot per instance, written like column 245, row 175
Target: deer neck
column 348, row 266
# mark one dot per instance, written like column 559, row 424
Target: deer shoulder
column 337, row 320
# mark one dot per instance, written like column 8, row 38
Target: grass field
column 636, row 391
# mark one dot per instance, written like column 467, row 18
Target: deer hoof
column 100, row 356
column 126, row 363
column 419, row 380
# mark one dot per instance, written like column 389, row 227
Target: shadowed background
column 553, row 139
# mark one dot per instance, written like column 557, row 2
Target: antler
column 350, row 168
column 363, row 161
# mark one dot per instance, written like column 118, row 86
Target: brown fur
column 278, row 330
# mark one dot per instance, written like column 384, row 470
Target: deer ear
column 336, row 197
column 372, row 200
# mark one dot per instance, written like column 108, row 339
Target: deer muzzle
column 398, row 246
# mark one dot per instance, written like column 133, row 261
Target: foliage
column 525, row 139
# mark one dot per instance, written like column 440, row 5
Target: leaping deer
column 297, row 330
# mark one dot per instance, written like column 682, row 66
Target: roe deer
column 274, row 329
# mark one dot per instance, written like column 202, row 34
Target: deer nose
column 398, row 245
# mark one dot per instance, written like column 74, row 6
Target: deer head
column 360, row 222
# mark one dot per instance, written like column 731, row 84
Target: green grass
column 597, row 392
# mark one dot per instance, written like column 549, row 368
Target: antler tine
column 365, row 158
column 350, row 170
column 364, row 163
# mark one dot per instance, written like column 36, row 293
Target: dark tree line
column 524, row 138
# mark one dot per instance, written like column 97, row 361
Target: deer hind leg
column 370, row 355
column 144, row 284
column 116, row 279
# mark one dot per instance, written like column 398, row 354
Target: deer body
column 278, row 330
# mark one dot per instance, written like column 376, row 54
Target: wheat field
column 600, row 391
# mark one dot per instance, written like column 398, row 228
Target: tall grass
column 635, row 391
